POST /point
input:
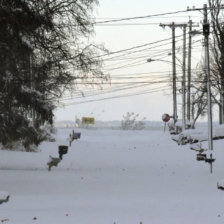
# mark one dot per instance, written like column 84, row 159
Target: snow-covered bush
column 191, row 136
column 78, row 122
column 19, row 132
column 198, row 135
column 50, row 129
column 129, row 122
column 175, row 128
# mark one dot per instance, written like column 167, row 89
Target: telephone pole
column 184, row 80
column 174, row 74
column 173, row 26
column 189, row 74
column 206, row 32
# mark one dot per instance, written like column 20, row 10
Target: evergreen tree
column 43, row 53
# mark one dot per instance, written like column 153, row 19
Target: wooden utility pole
column 206, row 33
column 189, row 74
column 174, row 74
column 184, row 80
column 173, row 26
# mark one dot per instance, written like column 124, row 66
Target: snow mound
column 3, row 195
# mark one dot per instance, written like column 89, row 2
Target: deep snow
column 108, row 176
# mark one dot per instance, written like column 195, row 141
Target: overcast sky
column 130, row 69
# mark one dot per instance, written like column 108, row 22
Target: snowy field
column 113, row 176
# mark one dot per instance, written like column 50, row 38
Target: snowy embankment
column 112, row 176
column 198, row 135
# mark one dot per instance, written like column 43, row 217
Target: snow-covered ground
column 113, row 176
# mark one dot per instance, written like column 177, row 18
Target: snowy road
column 111, row 176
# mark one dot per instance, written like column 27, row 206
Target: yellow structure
column 88, row 120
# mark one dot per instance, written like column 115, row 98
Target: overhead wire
column 115, row 97
column 139, row 46
column 91, row 94
column 139, row 61
column 135, row 47
column 145, row 82
column 135, row 62
column 141, row 17
column 119, row 56
column 128, row 86
column 157, row 17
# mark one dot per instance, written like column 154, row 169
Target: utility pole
column 206, row 32
column 174, row 74
column 172, row 26
column 189, row 74
column 184, row 80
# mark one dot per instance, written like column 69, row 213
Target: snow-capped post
column 165, row 118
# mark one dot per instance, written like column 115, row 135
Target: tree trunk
column 221, row 108
column 220, row 111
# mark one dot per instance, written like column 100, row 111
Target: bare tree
column 130, row 122
column 217, row 68
column 199, row 90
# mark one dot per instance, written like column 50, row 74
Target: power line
column 137, row 82
column 135, row 47
column 162, row 17
column 114, row 97
column 137, row 62
column 140, row 17
column 140, row 46
column 109, row 91
column 128, row 24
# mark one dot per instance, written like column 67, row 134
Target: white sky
column 115, row 38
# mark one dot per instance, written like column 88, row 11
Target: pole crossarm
column 202, row 9
column 173, row 24
column 181, row 25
